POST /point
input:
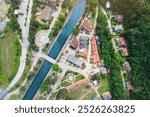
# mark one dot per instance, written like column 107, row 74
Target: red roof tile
column 95, row 54
column 74, row 43
column 87, row 25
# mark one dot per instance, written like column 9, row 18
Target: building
column 127, row 67
column 72, row 59
column 90, row 15
column 87, row 26
column 106, row 96
column 84, row 42
column 129, row 85
column 83, row 53
column 103, row 70
column 118, row 28
column 121, row 41
column 46, row 14
column 95, row 55
column 119, row 18
column 95, row 83
column 108, row 5
column 74, row 44
column 2, row 36
column 124, row 52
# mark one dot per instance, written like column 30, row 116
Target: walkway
column 25, row 44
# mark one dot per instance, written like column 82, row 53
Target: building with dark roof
column 74, row 43
column 84, row 42
column 72, row 59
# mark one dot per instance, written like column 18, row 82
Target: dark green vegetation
column 107, row 53
column 137, row 22
column 35, row 25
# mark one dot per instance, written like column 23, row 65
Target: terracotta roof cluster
column 95, row 55
column 77, row 84
column 106, row 96
column 124, row 52
column 121, row 41
column 86, row 25
column 83, row 53
column 74, row 43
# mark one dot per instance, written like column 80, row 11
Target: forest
column 107, row 53
column 137, row 32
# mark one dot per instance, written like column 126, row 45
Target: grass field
column 82, row 93
column 10, row 51
column 104, row 83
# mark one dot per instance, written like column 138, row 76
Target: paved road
column 25, row 44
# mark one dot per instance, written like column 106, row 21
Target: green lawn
column 65, row 84
column 81, row 93
column 10, row 51
column 104, row 83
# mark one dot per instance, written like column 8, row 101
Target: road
column 113, row 41
column 24, row 43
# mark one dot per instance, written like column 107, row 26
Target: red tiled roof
column 124, row 52
column 83, row 53
column 77, row 84
column 121, row 41
column 95, row 55
column 107, row 96
column 127, row 66
column 129, row 85
column 87, row 25
column 74, row 43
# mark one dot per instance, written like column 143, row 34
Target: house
column 106, row 96
column 124, row 52
column 74, row 44
column 119, row 18
column 108, row 5
column 84, row 42
column 8, row 1
column 90, row 15
column 87, row 26
column 118, row 28
column 46, row 14
column 95, row 83
column 103, row 70
column 18, row 12
column 129, row 85
column 72, row 59
column 127, row 67
column 95, row 55
column 83, row 53
column 2, row 36
column 121, row 41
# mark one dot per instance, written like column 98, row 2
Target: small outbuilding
column 106, row 96
column 118, row 28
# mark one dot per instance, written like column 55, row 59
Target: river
column 56, row 48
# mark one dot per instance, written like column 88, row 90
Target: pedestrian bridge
column 49, row 59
